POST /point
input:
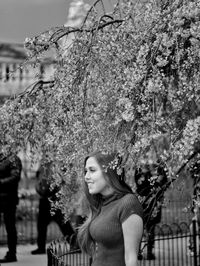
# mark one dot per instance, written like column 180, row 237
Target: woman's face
column 95, row 179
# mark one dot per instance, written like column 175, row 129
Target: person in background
column 10, row 173
column 150, row 177
column 195, row 209
column 195, row 219
column 45, row 216
column 113, row 229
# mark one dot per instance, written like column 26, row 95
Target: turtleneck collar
column 109, row 198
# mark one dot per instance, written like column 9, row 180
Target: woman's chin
column 92, row 192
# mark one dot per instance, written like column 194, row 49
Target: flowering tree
column 128, row 81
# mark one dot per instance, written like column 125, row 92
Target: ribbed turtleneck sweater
column 106, row 229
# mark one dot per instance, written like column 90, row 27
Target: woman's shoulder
column 129, row 197
column 130, row 204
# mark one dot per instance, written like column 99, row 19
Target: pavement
column 24, row 256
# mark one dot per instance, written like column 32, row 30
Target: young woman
column 113, row 230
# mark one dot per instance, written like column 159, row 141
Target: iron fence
column 26, row 223
column 171, row 249
column 59, row 253
column 172, row 246
column 171, row 240
column 27, row 211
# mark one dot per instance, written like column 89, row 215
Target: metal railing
column 171, row 249
column 172, row 246
column 27, row 211
column 26, row 223
column 171, row 238
column 60, row 253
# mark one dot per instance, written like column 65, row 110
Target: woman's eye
column 91, row 170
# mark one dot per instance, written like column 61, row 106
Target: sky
column 27, row 18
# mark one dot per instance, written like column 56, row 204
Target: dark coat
column 10, row 173
column 43, row 183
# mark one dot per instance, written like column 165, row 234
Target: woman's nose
column 87, row 176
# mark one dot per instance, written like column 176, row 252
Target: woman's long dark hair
column 115, row 176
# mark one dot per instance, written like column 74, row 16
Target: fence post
column 194, row 236
column 32, row 219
